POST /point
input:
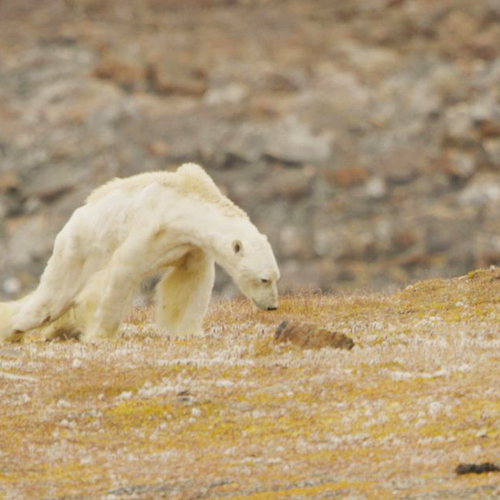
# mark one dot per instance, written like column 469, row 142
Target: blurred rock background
column 363, row 136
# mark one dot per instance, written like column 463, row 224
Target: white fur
column 129, row 229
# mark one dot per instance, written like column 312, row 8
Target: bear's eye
column 264, row 280
column 237, row 246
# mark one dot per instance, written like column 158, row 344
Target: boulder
column 308, row 336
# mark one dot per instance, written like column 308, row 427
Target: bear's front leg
column 183, row 295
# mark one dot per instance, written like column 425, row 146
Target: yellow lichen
column 233, row 413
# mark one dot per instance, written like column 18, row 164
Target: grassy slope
column 232, row 414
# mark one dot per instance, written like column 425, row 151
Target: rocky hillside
column 362, row 136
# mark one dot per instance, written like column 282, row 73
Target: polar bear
column 178, row 222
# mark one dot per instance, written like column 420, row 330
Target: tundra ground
column 233, row 414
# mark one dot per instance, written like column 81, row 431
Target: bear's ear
column 237, row 247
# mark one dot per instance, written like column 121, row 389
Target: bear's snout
column 264, row 305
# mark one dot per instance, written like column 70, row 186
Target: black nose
column 272, row 308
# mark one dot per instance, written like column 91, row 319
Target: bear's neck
column 213, row 232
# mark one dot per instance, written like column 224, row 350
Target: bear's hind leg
column 72, row 262
column 7, row 332
column 101, row 304
column 63, row 328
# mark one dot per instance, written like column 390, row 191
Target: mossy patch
column 232, row 412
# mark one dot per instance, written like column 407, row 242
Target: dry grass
column 232, row 414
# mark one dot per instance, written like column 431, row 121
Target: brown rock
column 51, row 194
column 349, row 176
column 308, row 336
column 476, row 468
column 158, row 148
column 9, row 182
column 413, row 258
column 405, row 238
column 168, row 77
column 128, row 73
column 485, row 44
column 287, row 183
column 457, row 163
column 488, row 128
column 456, row 31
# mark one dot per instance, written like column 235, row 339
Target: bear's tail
column 7, row 312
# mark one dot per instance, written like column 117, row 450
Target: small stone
column 405, row 239
column 461, row 164
column 127, row 72
column 376, row 188
column 9, row 182
column 482, row 190
column 459, row 124
column 11, row 286
column 349, row 176
column 294, row 142
column 308, row 336
column 457, row 29
column 49, row 195
column 172, row 77
column 233, row 93
column 158, row 148
column 286, row 183
column 492, row 148
column 488, row 128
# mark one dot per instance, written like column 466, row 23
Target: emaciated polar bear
column 134, row 227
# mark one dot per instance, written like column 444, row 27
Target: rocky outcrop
column 363, row 138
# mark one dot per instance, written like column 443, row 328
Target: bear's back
column 188, row 180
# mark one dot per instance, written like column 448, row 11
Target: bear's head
column 254, row 269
